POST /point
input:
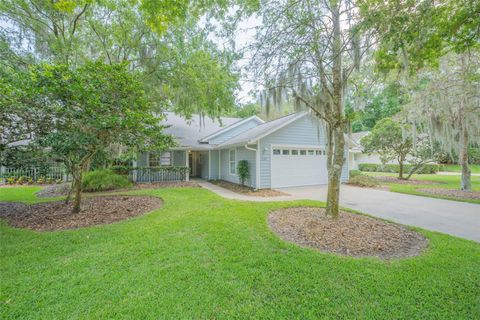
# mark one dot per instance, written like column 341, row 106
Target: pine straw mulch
column 454, row 193
column 351, row 235
column 248, row 190
column 56, row 215
column 390, row 179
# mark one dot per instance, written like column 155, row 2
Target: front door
column 192, row 163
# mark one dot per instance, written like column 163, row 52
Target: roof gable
column 188, row 132
column 260, row 131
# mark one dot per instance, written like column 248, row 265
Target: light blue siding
column 307, row 131
column 242, row 154
column 234, row 131
column 214, row 163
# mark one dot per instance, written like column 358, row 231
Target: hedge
column 395, row 168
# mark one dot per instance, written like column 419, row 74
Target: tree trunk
column 338, row 122
column 335, row 172
column 463, row 156
column 400, row 170
column 78, row 192
column 466, row 183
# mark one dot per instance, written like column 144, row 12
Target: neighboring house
column 356, row 155
column 288, row 151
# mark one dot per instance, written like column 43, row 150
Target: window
column 324, row 153
column 311, row 152
column 166, row 159
column 318, row 152
column 276, row 151
column 156, row 159
column 153, row 159
column 294, row 152
column 303, row 152
column 233, row 161
column 285, row 152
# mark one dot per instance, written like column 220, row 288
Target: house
column 288, row 151
column 356, row 155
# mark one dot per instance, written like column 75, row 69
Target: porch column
column 187, row 175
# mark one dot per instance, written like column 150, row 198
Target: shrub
column 395, row 168
column 243, row 171
column 102, row 180
column 354, row 173
column 363, row 181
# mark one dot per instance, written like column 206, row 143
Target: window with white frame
column 233, row 161
column 156, row 159
column 276, row 152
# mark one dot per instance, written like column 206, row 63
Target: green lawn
column 205, row 257
column 444, row 181
column 475, row 168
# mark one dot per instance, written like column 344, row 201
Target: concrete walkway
column 238, row 196
column 448, row 173
column 456, row 218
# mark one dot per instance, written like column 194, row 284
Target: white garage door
column 298, row 167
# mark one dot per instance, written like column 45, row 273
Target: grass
column 442, row 181
column 475, row 168
column 24, row 194
column 205, row 257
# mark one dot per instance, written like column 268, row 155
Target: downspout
column 257, row 163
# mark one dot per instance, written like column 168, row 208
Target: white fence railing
column 35, row 173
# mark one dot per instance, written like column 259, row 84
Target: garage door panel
column 298, row 170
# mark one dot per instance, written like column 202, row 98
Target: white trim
column 228, row 128
column 230, row 162
column 257, row 166
column 187, row 178
column 209, row 165
column 219, row 164
column 256, row 171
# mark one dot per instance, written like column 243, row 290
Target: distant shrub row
column 362, row 180
column 395, row 168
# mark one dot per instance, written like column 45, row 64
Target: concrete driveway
column 456, row 218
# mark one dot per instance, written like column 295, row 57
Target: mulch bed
column 389, row 179
column 351, row 234
column 54, row 190
column 57, row 190
column 460, row 194
column 166, row 184
column 247, row 190
column 57, row 215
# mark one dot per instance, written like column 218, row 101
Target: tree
column 448, row 107
column 414, row 34
column 387, row 140
column 91, row 108
column 181, row 68
column 306, row 51
column 243, row 171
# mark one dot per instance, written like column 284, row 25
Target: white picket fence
column 35, row 173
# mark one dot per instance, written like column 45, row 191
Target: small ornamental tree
column 91, row 108
column 243, row 171
column 387, row 140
